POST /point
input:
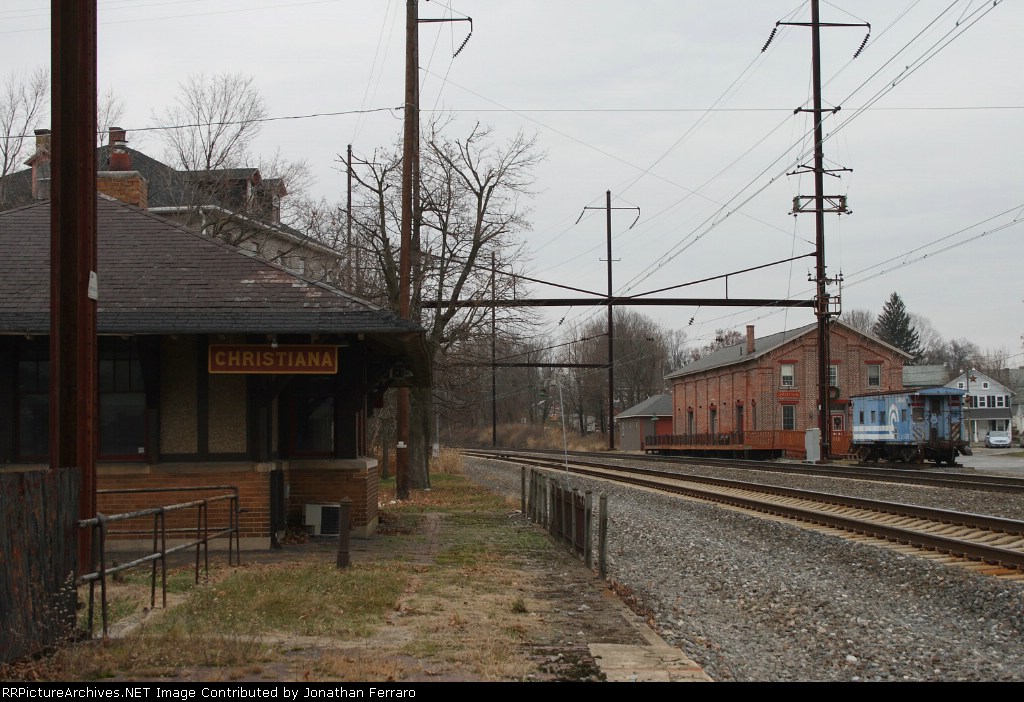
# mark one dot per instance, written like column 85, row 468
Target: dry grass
column 448, row 462
column 465, row 615
column 531, row 436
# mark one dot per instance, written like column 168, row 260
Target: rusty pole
column 73, row 284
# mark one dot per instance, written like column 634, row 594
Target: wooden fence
column 38, row 554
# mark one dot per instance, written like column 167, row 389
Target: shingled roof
column 156, row 277
column 737, row 353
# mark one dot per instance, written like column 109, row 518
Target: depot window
column 33, row 410
column 788, row 417
column 833, row 375
column 310, row 422
column 122, row 400
column 788, row 375
column 874, row 376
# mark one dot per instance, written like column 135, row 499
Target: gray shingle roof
column 660, row 405
column 156, row 277
column 738, row 352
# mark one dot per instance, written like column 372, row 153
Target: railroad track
column 905, row 476
column 992, row 544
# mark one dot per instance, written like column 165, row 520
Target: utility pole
column 348, row 222
column 410, row 218
column 494, row 359
column 74, row 286
column 824, row 309
column 410, row 172
column 611, row 309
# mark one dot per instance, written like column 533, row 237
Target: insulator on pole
column 770, row 37
column 862, row 44
column 466, row 40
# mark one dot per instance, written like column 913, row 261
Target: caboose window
column 874, row 376
column 903, row 416
column 788, row 375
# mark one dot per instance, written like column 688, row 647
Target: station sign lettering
column 268, row 359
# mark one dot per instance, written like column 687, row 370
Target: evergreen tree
column 893, row 327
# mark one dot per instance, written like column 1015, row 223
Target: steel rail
column 688, row 485
column 960, row 481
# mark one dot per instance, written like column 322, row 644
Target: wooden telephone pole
column 824, row 309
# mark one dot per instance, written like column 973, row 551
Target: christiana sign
column 265, row 358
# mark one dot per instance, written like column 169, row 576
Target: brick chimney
column 40, row 163
column 120, row 181
column 750, row 339
column 120, row 159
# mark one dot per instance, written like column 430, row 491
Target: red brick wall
column 329, row 483
column 757, row 383
column 253, row 490
column 126, row 186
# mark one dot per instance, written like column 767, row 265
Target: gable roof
column 156, row 277
column 657, row 405
column 977, row 378
column 737, row 353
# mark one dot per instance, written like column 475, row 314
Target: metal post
column 572, row 521
column 494, row 360
column 522, row 488
column 588, row 529
column 344, row 526
column 611, row 327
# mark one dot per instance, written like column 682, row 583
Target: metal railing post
column 602, row 536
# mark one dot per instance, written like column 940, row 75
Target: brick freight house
column 215, row 368
column 771, row 383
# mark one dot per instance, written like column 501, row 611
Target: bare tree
column 723, row 339
column 24, row 101
column 929, row 338
column 473, row 191
column 227, row 192
column 109, row 111
column 212, row 121
column 861, row 320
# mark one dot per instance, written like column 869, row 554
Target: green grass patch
column 307, row 600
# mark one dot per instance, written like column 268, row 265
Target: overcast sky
column 672, row 106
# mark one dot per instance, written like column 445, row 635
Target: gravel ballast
column 752, row 599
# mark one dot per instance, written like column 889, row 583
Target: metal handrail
column 160, row 551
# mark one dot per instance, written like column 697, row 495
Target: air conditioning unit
column 323, row 520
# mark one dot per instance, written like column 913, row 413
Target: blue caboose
column 909, row 426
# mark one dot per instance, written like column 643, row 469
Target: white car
column 995, row 439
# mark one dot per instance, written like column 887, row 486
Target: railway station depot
column 215, row 368
column 764, row 391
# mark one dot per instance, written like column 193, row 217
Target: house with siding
column 989, row 403
column 771, row 382
column 237, row 205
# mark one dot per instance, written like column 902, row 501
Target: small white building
column 989, row 403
